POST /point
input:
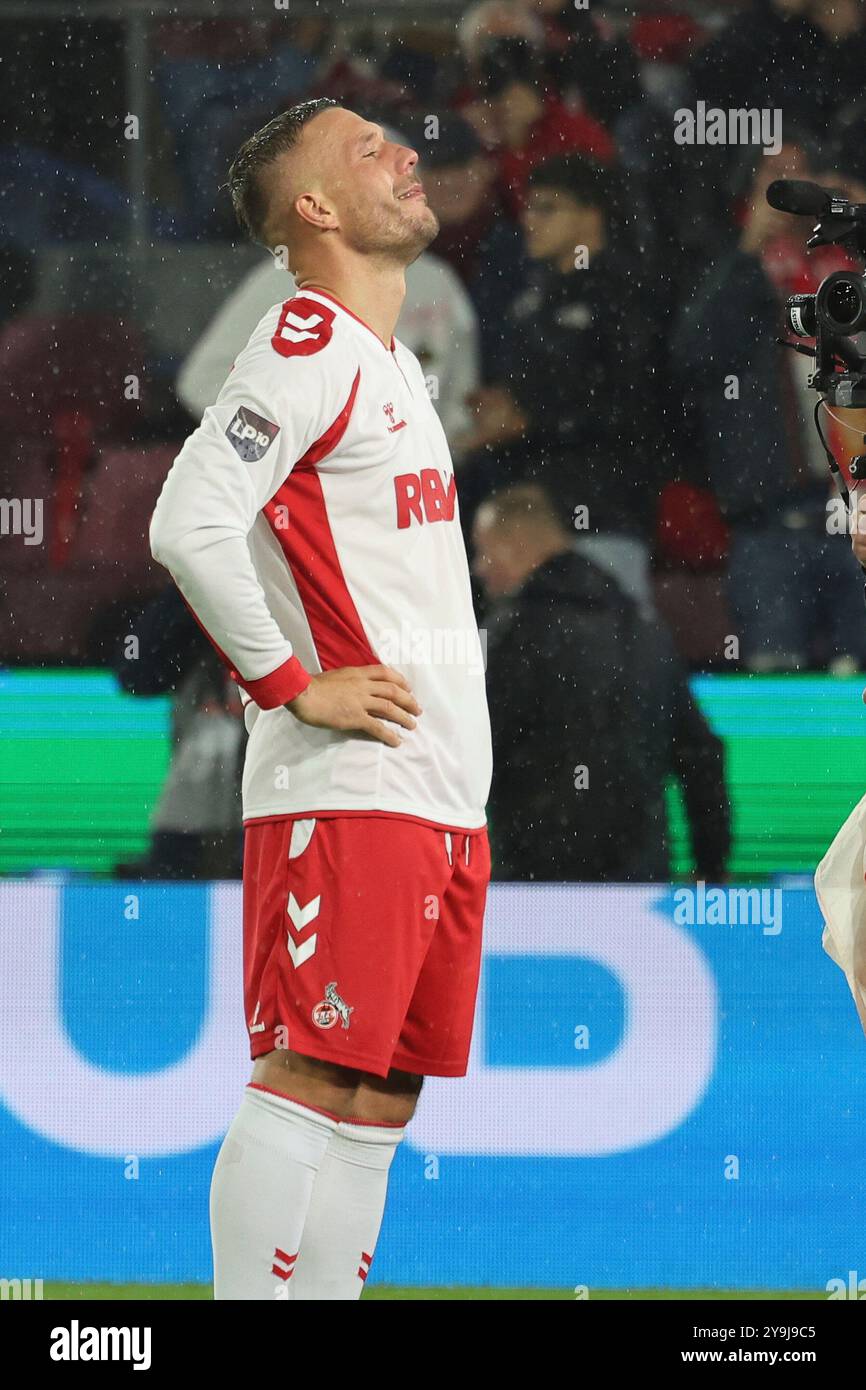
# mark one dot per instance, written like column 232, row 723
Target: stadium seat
column 51, row 364
column 121, row 494
column 49, row 613
column 46, row 618
column 63, row 388
column 16, row 556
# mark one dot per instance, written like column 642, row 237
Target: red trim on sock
column 329, row 1114
column 304, row 1104
column 374, row 1124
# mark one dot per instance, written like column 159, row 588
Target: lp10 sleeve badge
column 251, row 435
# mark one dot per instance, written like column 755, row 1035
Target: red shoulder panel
column 305, row 327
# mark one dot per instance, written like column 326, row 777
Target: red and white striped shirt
column 311, row 522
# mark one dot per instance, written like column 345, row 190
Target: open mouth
column 416, row 191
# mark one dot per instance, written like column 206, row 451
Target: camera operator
column 794, row 589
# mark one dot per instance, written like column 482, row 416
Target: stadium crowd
column 636, row 458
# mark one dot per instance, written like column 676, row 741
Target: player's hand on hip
column 357, row 699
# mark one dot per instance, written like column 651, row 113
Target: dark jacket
column 766, row 58
column 591, row 712
column 581, row 360
column 729, row 328
column 170, row 644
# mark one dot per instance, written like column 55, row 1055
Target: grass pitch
column 146, row 1293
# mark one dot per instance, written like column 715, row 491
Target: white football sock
column 260, row 1192
column 345, row 1213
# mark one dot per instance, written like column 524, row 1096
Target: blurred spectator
column 591, row 713
column 355, row 79
column 477, row 237
column 577, row 404
column 795, row 589
column 529, row 120
column 588, row 66
column 837, row 78
column 60, row 97
column 804, row 57
column 196, row 825
column 419, row 61
column 437, row 322
column 492, row 20
column 685, row 208
column 60, row 200
column 217, row 81
column 766, row 56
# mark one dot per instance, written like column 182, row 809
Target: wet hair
column 250, row 196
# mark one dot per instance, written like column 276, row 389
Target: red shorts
column 362, row 941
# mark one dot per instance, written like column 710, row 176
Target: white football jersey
column 311, row 522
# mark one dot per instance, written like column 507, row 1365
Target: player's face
column 377, row 191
